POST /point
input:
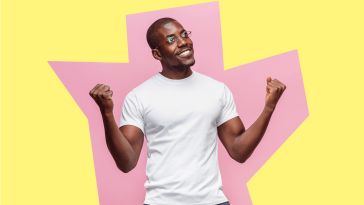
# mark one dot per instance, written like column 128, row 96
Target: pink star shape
column 247, row 83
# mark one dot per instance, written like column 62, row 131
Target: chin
column 192, row 63
column 189, row 62
column 183, row 64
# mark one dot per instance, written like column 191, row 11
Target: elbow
column 241, row 160
column 239, row 156
column 124, row 170
column 242, row 156
column 125, row 167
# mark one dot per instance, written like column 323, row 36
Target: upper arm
column 135, row 137
column 227, row 133
column 229, row 123
column 132, row 124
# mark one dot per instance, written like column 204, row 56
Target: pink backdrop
column 247, row 83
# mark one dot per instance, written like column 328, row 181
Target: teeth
column 185, row 53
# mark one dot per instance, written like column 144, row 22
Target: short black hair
column 152, row 38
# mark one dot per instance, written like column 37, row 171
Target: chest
column 172, row 108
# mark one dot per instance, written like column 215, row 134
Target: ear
column 156, row 54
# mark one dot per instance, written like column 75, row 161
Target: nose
column 181, row 41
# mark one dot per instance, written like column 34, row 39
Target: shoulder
column 218, row 88
column 209, row 80
column 213, row 84
column 145, row 86
column 143, row 90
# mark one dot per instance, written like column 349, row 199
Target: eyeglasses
column 172, row 38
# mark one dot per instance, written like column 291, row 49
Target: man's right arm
column 124, row 143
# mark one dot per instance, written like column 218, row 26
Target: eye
column 185, row 34
column 170, row 39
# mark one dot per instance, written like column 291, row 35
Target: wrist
column 269, row 108
column 108, row 113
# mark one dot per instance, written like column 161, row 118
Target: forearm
column 118, row 145
column 245, row 143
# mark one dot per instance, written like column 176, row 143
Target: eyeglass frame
column 172, row 35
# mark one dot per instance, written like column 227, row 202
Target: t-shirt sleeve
column 228, row 110
column 131, row 112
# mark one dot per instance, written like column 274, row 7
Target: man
column 180, row 111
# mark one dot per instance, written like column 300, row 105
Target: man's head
column 170, row 43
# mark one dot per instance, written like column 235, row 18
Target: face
column 175, row 49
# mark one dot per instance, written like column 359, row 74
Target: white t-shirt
column 179, row 119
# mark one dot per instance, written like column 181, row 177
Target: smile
column 185, row 53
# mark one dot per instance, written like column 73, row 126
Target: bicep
column 135, row 137
column 228, row 131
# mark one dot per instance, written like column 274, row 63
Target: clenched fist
column 102, row 95
column 274, row 91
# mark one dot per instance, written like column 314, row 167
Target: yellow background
column 46, row 150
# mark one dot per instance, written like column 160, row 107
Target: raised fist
column 274, row 91
column 102, row 95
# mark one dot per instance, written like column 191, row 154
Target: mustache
column 185, row 47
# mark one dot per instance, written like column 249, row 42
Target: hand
column 274, row 91
column 102, row 95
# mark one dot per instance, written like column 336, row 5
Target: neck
column 176, row 73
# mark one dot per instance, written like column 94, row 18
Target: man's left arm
column 240, row 143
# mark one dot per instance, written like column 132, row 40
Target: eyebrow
column 170, row 35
